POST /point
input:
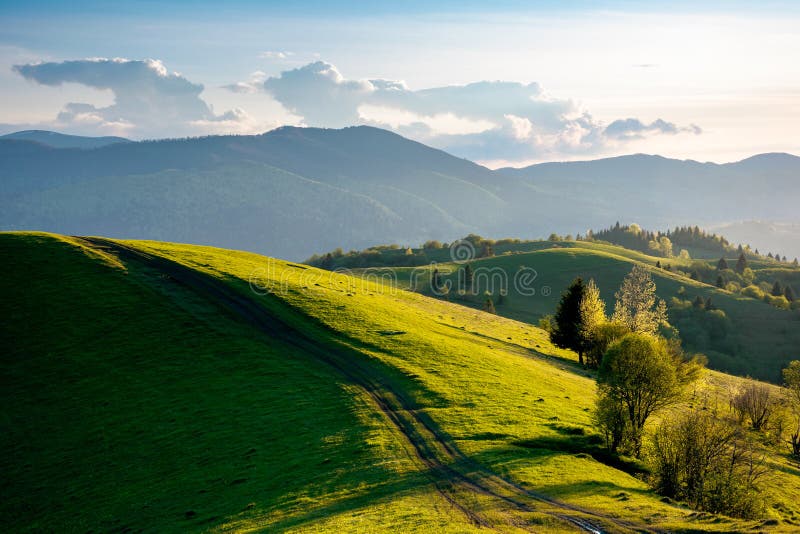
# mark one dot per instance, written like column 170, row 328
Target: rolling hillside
column 359, row 186
column 749, row 338
column 153, row 386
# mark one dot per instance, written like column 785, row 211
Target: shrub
column 753, row 291
column 699, row 458
column 612, row 422
column 755, row 403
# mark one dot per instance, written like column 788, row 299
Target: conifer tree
column 741, row 263
column 777, row 290
column 720, row 281
column 466, row 277
column 788, row 292
column 436, row 280
column 566, row 331
column 722, row 264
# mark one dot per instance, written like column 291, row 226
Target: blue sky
column 517, row 83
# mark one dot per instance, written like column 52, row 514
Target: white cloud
column 149, row 101
column 251, row 86
column 482, row 120
column 521, row 126
column 438, row 124
column 275, row 54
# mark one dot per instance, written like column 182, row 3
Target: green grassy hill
column 751, row 337
column 160, row 387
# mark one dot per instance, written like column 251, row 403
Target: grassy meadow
column 753, row 339
column 133, row 403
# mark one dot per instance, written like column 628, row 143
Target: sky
column 501, row 83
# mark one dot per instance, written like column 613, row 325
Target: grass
column 758, row 339
column 130, row 404
column 171, row 395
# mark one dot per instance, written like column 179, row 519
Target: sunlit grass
column 134, row 402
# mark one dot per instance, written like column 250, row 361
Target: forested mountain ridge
column 359, row 186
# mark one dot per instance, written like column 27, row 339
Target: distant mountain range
column 59, row 140
column 295, row 191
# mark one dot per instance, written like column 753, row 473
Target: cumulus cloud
column 630, row 129
column 482, row 120
column 253, row 85
column 149, row 101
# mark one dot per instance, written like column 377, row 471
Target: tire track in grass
column 454, row 474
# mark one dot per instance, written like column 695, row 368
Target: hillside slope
column 222, row 390
column 131, row 403
column 744, row 336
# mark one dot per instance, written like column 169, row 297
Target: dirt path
column 460, row 480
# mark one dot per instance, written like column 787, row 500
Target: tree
column 720, row 281
column 612, row 422
column 699, row 303
column 643, row 374
column 777, row 290
column 741, row 263
column 754, row 402
column 436, row 280
column 662, row 245
column 489, row 305
column 684, row 254
column 604, row 335
column 791, row 379
column 637, row 306
column 566, row 332
column 722, row 264
column 788, row 292
column 592, row 315
column 467, row 277
column 327, row 262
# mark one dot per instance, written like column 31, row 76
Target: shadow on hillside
column 412, row 391
column 573, row 366
column 572, row 440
